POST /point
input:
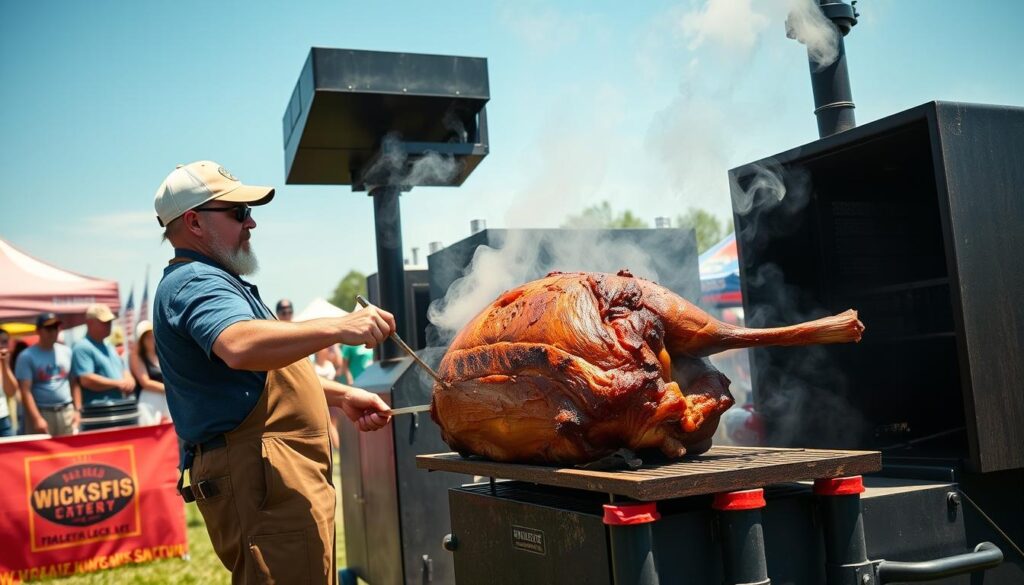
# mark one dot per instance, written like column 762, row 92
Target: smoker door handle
column 985, row 556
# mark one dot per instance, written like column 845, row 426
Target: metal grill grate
column 720, row 469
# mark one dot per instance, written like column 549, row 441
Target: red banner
column 89, row 502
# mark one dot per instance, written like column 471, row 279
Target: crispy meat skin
column 571, row 367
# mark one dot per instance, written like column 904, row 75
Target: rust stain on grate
column 721, row 469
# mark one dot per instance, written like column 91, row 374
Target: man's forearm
column 97, row 383
column 260, row 345
column 29, row 401
column 335, row 392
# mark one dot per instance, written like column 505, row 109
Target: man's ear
column 192, row 224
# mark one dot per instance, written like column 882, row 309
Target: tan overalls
column 271, row 518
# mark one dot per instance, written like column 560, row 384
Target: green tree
column 601, row 216
column 709, row 228
column 345, row 293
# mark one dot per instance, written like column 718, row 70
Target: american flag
column 128, row 321
column 144, row 305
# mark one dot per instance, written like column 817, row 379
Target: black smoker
column 387, row 122
column 915, row 220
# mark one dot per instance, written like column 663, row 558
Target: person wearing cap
column 52, row 403
column 242, row 392
column 96, row 364
column 145, row 367
column 284, row 310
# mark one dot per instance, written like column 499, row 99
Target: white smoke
column 393, row 166
column 733, row 25
column 527, row 255
column 765, row 188
column 807, row 24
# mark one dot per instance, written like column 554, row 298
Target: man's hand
column 126, row 386
column 365, row 409
column 76, row 419
column 40, row 425
column 369, row 326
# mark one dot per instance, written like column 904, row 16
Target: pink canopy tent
column 29, row 286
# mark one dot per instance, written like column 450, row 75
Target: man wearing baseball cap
column 95, row 363
column 242, row 393
column 43, row 371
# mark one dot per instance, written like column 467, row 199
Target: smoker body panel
column 982, row 151
column 513, row 539
column 896, row 218
column 396, row 515
column 904, row 520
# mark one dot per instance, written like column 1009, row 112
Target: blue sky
column 645, row 105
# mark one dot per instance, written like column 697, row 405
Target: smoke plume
column 526, row 255
column 394, row 166
column 808, row 25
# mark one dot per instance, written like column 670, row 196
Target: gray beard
column 240, row 261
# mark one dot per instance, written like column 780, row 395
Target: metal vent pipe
column 833, row 98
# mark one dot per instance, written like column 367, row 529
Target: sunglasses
column 285, row 310
column 242, row 212
column 53, row 327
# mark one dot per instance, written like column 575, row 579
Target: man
column 241, row 390
column 96, row 364
column 52, row 405
column 8, row 383
column 284, row 310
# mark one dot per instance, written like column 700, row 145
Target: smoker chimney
column 662, row 222
column 477, row 225
column 435, row 247
column 833, row 98
column 415, row 256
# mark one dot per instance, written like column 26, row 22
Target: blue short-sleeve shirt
column 48, row 369
column 194, row 303
column 89, row 356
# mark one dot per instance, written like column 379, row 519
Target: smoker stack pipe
column 390, row 265
column 833, row 98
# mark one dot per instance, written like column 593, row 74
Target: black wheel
column 346, row 577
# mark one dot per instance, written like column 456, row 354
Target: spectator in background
column 52, row 404
column 354, row 359
column 8, row 383
column 95, row 363
column 284, row 310
column 145, row 368
column 323, row 365
column 116, row 339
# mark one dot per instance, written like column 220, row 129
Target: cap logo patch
column 226, row 174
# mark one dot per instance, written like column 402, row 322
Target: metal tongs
column 398, row 339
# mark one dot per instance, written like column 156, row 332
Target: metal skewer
column 394, row 335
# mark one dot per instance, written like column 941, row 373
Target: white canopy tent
column 319, row 308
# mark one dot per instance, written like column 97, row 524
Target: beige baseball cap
column 144, row 326
column 189, row 186
column 100, row 312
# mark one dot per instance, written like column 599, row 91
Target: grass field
column 203, row 568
